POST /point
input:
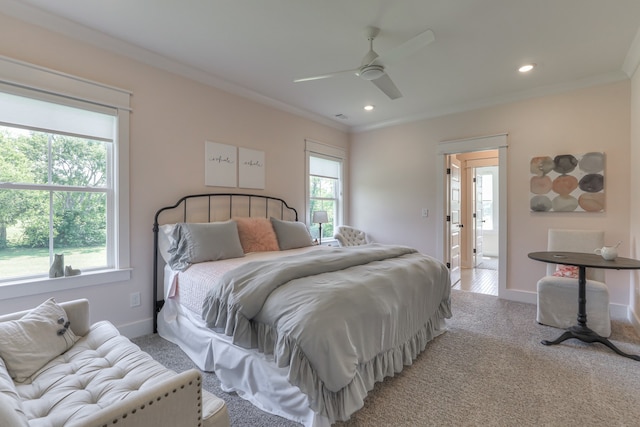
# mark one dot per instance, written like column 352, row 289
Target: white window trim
column 22, row 76
column 332, row 152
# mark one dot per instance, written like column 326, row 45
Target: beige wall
column 393, row 174
column 172, row 117
column 634, row 235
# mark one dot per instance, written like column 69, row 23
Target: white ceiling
column 258, row 47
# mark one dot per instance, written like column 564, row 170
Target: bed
column 300, row 330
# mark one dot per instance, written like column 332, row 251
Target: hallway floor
column 480, row 280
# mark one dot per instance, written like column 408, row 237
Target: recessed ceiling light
column 369, row 107
column 526, row 68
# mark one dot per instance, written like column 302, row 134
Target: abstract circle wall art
column 567, row 183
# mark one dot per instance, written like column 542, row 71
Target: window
column 324, row 187
column 488, row 202
column 63, row 189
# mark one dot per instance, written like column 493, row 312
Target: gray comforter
column 340, row 318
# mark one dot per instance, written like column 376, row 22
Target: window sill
column 30, row 287
column 330, row 242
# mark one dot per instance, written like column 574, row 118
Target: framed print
column 221, row 163
column 567, row 183
column 251, row 168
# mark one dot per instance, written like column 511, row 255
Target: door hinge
column 448, row 217
column 448, row 171
column 448, row 265
column 474, row 215
column 474, row 250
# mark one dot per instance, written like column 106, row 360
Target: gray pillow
column 200, row 242
column 291, row 234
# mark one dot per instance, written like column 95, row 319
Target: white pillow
column 27, row 344
column 291, row 234
column 165, row 240
column 200, row 242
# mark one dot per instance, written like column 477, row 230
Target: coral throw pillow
column 256, row 235
column 566, row 271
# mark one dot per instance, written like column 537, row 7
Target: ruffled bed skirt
column 338, row 406
column 256, row 377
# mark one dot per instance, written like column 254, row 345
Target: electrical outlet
column 425, row 212
column 135, row 299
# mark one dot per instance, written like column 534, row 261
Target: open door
column 453, row 218
column 478, row 219
column 480, row 152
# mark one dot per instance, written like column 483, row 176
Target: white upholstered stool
column 558, row 304
column 558, row 296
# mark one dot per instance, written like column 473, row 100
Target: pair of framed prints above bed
column 300, row 330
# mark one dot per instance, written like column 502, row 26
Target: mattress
column 190, row 287
column 254, row 375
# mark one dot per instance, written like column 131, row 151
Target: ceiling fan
column 372, row 67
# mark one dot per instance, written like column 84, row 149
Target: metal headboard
column 214, row 207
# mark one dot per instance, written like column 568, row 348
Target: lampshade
column 320, row 217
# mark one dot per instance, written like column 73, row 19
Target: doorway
column 474, row 239
column 478, row 228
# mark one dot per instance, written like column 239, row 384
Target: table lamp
column 320, row 217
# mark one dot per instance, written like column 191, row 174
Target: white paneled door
column 453, row 217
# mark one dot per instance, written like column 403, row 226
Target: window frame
column 328, row 152
column 24, row 79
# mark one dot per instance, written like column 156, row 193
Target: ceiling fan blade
column 407, row 48
column 325, row 76
column 385, row 84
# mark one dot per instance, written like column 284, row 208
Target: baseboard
column 618, row 311
column 518, row 296
column 136, row 329
column 634, row 320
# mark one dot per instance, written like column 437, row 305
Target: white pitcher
column 608, row 252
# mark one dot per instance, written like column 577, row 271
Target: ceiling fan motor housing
column 371, row 72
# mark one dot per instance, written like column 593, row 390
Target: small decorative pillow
column 570, row 271
column 256, row 235
column 291, row 234
column 200, row 242
column 27, row 344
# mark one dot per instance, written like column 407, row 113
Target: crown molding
column 500, row 100
column 35, row 16
column 30, row 14
column 632, row 60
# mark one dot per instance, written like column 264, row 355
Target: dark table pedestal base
column 585, row 334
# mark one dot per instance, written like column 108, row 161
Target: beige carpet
column 488, row 369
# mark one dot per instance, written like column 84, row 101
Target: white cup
column 607, row 252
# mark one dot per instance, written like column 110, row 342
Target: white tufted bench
column 103, row 380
